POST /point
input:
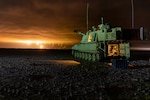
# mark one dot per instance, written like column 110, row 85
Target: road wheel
column 86, row 56
column 75, row 54
column 83, row 55
column 72, row 52
column 78, row 54
column 89, row 57
column 93, row 57
column 97, row 57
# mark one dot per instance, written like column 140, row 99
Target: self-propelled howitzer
column 101, row 43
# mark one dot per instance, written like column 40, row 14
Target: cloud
column 56, row 19
column 38, row 19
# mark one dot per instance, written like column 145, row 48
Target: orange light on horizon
column 41, row 46
column 29, row 42
column 38, row 42
column 35, row 43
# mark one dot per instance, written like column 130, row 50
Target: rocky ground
column 28, row 78
column 28, row 75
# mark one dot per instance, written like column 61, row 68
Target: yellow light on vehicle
column 113, row 50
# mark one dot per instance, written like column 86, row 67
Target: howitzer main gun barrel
column 80, row 33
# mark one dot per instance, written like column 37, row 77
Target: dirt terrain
column 54, row 75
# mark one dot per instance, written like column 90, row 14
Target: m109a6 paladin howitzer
column 101, row 43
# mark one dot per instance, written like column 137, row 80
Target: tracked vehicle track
column 87, row 56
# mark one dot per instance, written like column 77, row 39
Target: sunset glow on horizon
column 51, row 24
column 35, row 44
column 30, row 42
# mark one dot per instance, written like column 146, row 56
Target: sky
column 51, row 23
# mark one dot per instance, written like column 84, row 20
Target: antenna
column 132, row 4
column 87, row 13
column 102, row 19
